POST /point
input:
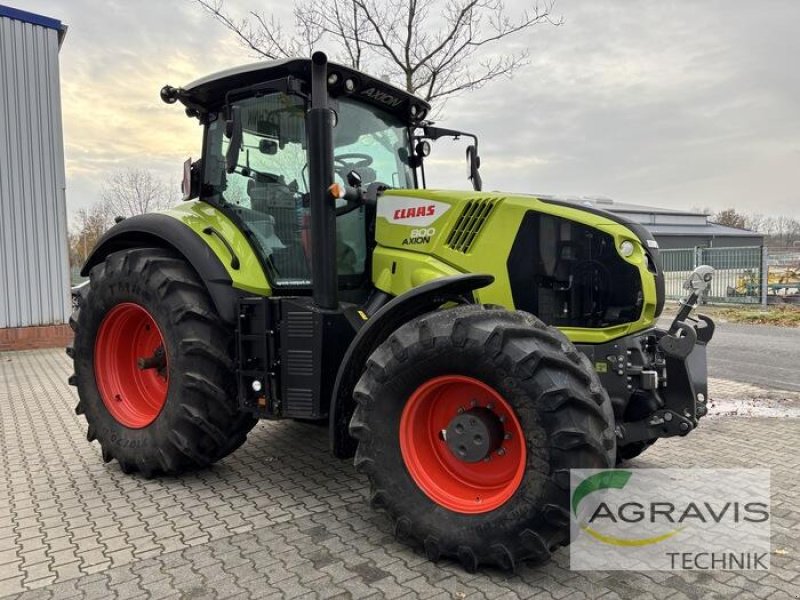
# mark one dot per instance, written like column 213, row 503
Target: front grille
column 469, row 223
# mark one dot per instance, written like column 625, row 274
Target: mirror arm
column 434, row 133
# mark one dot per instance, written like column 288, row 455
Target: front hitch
column 685, row 332
column 683, row 399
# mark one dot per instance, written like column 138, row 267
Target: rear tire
column 562, row 411
column 195, row 421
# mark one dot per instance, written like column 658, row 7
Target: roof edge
column 34, row 19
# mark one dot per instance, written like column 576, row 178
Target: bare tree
column 731, row 218
column 86, row 229
column 778, row 230
column 135, row 192
column 782, row 230
column 432, row 48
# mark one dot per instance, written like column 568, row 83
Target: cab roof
column 209, row 92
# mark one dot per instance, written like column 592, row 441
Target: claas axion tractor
column 467, row 348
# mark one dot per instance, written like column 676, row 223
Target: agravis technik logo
column 646, row 519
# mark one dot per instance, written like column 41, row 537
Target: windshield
column 268, row 190
column 373, row 143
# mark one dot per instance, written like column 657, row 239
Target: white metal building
column 34, row 272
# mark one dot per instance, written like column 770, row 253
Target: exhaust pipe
column 319, row 123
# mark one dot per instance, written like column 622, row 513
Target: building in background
column 34, row 271
column 679, row 228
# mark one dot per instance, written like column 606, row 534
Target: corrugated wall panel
column 34, row 272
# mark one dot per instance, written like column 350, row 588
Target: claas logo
column 415, row 211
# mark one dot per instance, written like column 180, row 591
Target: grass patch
column 780, row 315
column 784, row 316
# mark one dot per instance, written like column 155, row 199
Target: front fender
column 398, row 311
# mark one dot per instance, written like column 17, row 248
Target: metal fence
column 738, row 277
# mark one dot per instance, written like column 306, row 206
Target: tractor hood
column 586, row 270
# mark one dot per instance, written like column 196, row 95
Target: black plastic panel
column 571, row 275
column 313, row 342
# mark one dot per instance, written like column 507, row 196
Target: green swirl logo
column 605, row 480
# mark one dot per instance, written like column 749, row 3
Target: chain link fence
column 748, row 275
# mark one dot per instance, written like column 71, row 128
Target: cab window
column 268, row 189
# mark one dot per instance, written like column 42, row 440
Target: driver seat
column 271, row 196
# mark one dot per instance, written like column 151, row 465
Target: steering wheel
column 361, row 160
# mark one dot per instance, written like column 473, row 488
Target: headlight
column 626, row 248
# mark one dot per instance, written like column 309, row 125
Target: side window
column 351, row 245
column 268, row 186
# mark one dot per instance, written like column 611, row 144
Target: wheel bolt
column 507, row 436
column 501, row 451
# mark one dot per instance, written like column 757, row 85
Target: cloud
column 674, row 104
column 665, row 103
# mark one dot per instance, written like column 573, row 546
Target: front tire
column 501, row 367
column 153, row 366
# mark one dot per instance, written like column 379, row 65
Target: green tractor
column 467, row 348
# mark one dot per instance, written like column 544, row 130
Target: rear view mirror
column 266, row 146
column 190, row 186
column 473, row 166
column 233, row 131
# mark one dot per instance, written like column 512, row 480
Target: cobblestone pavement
column 281, row 518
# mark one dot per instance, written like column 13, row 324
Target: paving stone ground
column 281, row 518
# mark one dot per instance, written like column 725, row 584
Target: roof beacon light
column 350, row 84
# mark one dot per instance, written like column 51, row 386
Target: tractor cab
column 256, row 159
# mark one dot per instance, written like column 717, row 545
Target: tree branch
column 436, row 53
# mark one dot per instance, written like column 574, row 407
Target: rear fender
column 223, row 260
column 418, row 301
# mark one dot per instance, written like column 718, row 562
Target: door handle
column 234, row 259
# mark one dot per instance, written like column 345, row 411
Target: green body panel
column 198, row 215
column 396, row 271
column 409, row 254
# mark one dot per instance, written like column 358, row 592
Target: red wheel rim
column 464, row 487
column 134, row 396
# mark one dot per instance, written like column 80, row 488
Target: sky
column 680, row 104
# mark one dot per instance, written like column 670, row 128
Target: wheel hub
column 131, row 365
column 474, row 434
column 462, row 444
